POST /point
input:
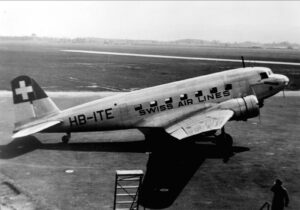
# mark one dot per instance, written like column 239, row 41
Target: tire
column 228, row 140
column 223, row 140
column 225, row 144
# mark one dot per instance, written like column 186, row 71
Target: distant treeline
column 181, row 42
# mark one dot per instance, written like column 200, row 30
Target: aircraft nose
column 282, row 79
column 285, row 80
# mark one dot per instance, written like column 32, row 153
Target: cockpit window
column 264, row 75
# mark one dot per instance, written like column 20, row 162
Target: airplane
column 200, row 105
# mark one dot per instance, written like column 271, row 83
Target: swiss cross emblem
column 23, row 90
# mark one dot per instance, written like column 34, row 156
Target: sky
column 229, row 21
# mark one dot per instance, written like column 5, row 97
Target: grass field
column 56, row 70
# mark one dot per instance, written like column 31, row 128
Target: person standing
column 280, row 197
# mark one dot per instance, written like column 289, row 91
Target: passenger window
column 153, row 103
column 183, row 96
column 168, row 100
column 138, row 107
column 228, row 86
column 264, row 75
column 214, row 90
column 198, row 93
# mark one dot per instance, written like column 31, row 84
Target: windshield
column 264, row 75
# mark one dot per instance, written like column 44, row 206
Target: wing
column 34, row 129
column 199, row 123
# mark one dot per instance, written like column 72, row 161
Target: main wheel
column 224, row 143
column 223, row 140
column 228, row 140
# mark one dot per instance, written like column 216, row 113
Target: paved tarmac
column 50, row 175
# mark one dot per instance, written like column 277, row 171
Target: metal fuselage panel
column 169, row 101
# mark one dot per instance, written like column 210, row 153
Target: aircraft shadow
column 170, row 166
column 27, row 144
column 19, row 147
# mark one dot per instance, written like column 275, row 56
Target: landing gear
column 224, row 139
column 261, row 103
column 65, row 139
column 224, row 142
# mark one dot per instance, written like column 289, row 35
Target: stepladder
column 127, row 187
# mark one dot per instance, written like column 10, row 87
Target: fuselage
column 138, row 108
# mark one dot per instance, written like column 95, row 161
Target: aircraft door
column 124, row 115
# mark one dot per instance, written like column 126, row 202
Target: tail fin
column 30, row 101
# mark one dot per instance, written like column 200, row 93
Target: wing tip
column 17, row 135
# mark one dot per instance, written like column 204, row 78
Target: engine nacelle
column 244, row 108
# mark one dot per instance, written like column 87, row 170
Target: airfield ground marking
column 45, row 166
column 181, row 57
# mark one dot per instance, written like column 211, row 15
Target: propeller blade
column 283, row 93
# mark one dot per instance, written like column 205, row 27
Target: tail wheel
column 65, row 139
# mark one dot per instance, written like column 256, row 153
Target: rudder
column 30, row 101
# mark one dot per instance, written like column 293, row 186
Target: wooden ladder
column 266, row 205
column 127, row 186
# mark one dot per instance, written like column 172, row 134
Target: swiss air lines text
column 181, row 103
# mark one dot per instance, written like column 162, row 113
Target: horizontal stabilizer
column 35, row 128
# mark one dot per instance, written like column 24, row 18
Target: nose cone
column 285, row 80
column 281, row 79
